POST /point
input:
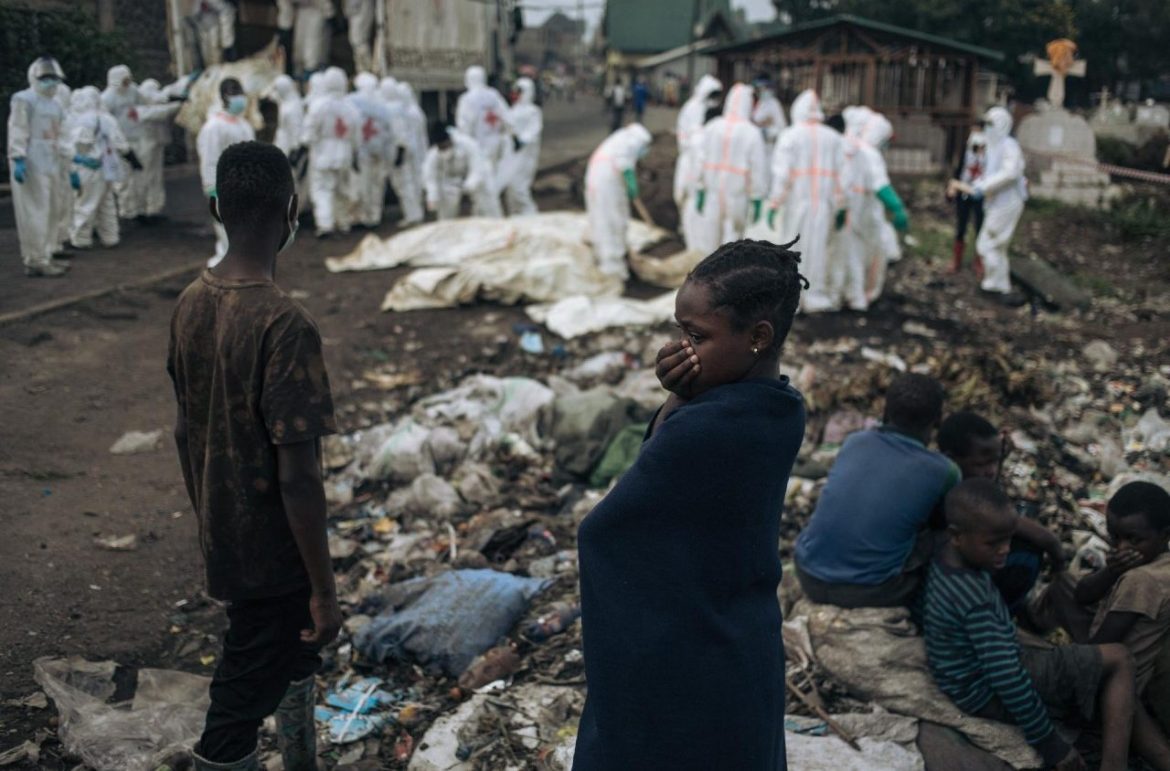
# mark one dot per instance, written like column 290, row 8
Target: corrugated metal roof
column 877, row 26
column 653, row 26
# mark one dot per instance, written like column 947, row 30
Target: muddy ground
column 74, row 379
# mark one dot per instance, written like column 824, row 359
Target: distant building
column 661, row 40
column 930, row 87
column 560, row 40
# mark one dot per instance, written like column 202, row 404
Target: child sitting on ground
column 867, row 544
column 978, row 449
column 975, row 657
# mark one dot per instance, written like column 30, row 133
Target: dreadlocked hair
column 753, row 281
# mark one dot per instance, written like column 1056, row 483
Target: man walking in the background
column 617, row 103
column 641, row 96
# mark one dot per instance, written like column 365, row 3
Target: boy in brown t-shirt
column 254, row 401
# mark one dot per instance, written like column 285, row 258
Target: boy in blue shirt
column 976, row 659
column 867, row 543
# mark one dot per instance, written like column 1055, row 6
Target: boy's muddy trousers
column 262, row 657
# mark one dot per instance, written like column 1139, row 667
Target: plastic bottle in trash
column 557, row 620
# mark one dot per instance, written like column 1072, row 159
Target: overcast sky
column 536, row 11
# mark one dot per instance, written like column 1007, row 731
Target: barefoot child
column 254, row 402
column 679, row 563
column 975, row 657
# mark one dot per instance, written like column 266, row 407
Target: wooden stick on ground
column 813, row 702
column 643, row 212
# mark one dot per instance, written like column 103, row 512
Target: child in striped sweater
column 977, row 660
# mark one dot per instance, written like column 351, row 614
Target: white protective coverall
column 687, row 130
column 859, row 261
column 479, row 115
column 221, row 131
column 1004, row 192
column 807, row 189
column 35, row 135
column 607, row 197
column 123, row 101
column 406, row 177
column 156, row 115
column 416, row 128
column 377, row 147
column 64, row 192
column 332, row 134
column 95, row 136
column 731, row 158
column 290, row 113
column 526, row 122
column 210, row 25
column 769, row 116
column 307, row 20
column 360, row 14
column 449, row 173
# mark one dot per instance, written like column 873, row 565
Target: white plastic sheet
column 581, row 315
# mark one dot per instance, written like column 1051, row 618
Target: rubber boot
column 957, row 256
column 296, row 731
column 250, row 762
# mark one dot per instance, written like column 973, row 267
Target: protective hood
column 389, row 90
column 475, row 77
column 635, row 137
column 976, row 138
column 333, row 81
column 707, row 85
column 855, row 117
column 150, row 90
column 807, row 107
column 526, row 90
column 739, row 103
column 116, row 75
column 999, row 125
column 285, row 87
column 46, row 65
column 876, row 130
column 408, row 90
column 402, row 93
column 365, row 83
column 86, row 99
column 316, row 84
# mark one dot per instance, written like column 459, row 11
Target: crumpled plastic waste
column 164, row 717
column 455, row 617
column 582, row 315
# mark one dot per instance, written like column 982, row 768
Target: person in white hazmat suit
column 290, row 120
column 732, row 183
column 479, row 115
column 405, row 177
column 453, row 166
column 807, row 197
column 304, row 32
column 1003, row 190
column 98, row 143
column 860, row 252
column 688, row 129
column 224, row 127
column 768, row 113
column 611, row 182
column 122, row 100
column 37, row 150
column 379, row 148
column 332, row 134
column 526, row 122
column 64, row 193
column 416, row 129
column 209, row 29
column 156, row 115
column 360, row 14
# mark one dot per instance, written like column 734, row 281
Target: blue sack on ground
column 456, row 616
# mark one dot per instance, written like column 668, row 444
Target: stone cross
column 1060, row 64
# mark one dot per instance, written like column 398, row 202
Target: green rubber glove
column 841, row 219
column 631, row 183
column 757, row 206
column 893, row 204
column 772, row 218
column 700, row 200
